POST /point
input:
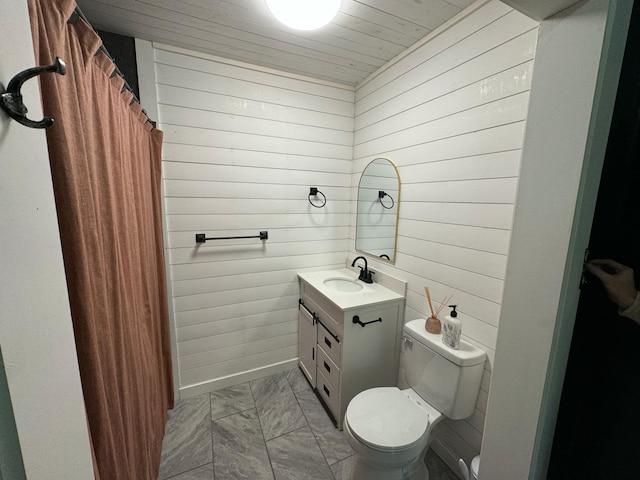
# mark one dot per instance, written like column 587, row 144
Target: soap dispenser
column 451, row 329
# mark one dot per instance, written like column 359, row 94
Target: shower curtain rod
column 77, row 13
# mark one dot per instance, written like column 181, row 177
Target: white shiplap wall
column 242, row 146
column 451, row 115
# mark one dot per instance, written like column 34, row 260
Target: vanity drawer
column 329, row 343
column 329, row 369
column 329, row 394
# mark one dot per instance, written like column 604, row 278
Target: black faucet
column 365, row 274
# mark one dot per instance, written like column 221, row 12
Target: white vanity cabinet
column 339, row 357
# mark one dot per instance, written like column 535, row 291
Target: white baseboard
column 230, row 380
column 446, row 455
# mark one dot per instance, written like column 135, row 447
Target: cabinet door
column 307, row 339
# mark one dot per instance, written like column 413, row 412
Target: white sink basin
column 344, row 285
column 343, row 289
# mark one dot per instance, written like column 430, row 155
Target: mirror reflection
column 377, row 213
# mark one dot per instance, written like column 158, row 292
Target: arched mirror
column 377, row 215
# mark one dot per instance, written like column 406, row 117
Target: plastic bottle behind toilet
column 452, row 329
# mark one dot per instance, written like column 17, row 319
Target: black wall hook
column 11, row 99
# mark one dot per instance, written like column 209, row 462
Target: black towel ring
column 381, row 195
column 315, row 192
column 11, row 99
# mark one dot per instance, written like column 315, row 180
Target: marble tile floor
column 273, row 428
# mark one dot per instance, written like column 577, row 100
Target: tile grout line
column 273, row 473
column 213, row 465
column 313, row 432
column 315, row 437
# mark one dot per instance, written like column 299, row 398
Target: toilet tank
column 447, row 379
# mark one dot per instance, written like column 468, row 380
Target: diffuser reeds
column 433, row 324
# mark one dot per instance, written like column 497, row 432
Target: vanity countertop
column 370, row 294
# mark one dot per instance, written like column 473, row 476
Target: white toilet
column 389, row 428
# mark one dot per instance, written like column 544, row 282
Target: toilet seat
column 386, row 419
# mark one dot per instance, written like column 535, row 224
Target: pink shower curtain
column 105, row 163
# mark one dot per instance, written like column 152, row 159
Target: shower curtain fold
column 105, row 163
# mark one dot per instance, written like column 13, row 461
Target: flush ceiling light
column 304, row 14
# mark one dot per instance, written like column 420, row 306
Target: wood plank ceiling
column 365, row 35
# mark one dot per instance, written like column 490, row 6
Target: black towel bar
column 201, row 237
column 356, row 320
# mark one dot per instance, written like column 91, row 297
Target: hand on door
column 617, row 280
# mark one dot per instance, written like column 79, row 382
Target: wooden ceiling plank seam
column 237, row 50
column 259, row 42
column 388, row 19
column 259, row 12
column 365, row 36
column 265, row 22
column 427, row 13
column 117, row 25
column 262, row 29
column 376, row 30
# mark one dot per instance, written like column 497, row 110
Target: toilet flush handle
column 407, row 341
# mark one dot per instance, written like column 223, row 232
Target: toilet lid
column 386, row 419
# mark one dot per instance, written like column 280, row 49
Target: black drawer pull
column 326, row 365
column 326, row 340
column 326, row 390
column 356, row 319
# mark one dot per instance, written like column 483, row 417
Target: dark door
column 598, row 429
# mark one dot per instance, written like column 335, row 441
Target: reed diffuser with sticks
column 433, row 324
